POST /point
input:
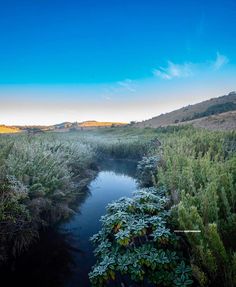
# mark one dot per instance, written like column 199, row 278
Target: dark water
column 64, row 255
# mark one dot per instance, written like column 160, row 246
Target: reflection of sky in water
column 108, row 186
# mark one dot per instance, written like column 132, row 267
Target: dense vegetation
column 189, row 184
column 119, row 143
column 43, row 174
column 198, row 170
column 136, row 241
column 40, row 176
column 200, row 174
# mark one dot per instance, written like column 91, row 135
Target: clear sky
column 114, row 60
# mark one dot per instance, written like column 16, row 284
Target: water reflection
column 47, row 263
column 125, row 167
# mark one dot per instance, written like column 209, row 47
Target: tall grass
column 200, row 174
column 40, row 177
column 120, row 143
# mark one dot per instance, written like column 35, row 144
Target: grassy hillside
column 100, row 124
column 224, row 121
column 8, row 130
column 192, row 113
column 86, row 124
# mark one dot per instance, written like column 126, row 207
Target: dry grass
column 224, row 121
column 215, row 122
column 100, row 124
column 8, row 130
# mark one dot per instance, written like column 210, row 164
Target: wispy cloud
column 187, row 69
column 174, row 71
column 128, row 84
column 220, row 61
column 120, row 88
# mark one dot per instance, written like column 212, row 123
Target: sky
column 112, row 60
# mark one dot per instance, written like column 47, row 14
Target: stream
column 63, row 257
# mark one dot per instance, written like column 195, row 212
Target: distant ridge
column 65, row 126
column 100, row 124
column 215, row 113
column 8, row 130
column 86, row 124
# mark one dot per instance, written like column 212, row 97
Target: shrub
column 147, row 170
column 135, row 241
column 200, row 166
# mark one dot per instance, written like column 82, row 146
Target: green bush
column 136, row 241
column 200, row 166
column 147, row 170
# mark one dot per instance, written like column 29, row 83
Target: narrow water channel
column 64, row 256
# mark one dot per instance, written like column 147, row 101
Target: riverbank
column 41, row 177
column 63, row 256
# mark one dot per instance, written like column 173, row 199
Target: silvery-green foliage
column 46, row 167
column 38, row 168
column 40, row 176
column 147, row 170
column 136, row 239
column 128, row 147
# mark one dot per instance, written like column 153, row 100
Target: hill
column 216, row 113
column 223, row 121
column 62, row 127
column 100, row 124
column 8, row 130
column 86, row 124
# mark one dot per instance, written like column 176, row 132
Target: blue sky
column 112, row 60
